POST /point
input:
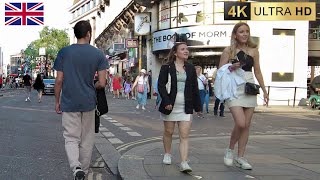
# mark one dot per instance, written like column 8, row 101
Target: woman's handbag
column 101, row 108
column 252, row 89
column 140, row 88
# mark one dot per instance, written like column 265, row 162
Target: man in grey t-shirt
column 75, row 94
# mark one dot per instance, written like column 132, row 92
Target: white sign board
column 142, row 22
column 197, row 36
column 42, row 51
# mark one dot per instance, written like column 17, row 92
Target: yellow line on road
column 27, row 109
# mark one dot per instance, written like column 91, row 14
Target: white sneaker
column 29, row 99
column 184, row 167
column 143, row 108
column 138, row 106
column 26, row 100
column 228, row 157
column 167, row 159
column 242, row 163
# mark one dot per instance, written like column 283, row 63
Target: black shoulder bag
column 101, row 108
column 252, row 89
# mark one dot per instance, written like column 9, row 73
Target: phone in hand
column 234, row 61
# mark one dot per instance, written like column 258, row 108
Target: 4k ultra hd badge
column 237, row 11
column 270, row 11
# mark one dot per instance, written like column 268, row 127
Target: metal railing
column 280, row 87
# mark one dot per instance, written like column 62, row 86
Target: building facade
column 15, row 64
column 119, row 41
column 287, row 48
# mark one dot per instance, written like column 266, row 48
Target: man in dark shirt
column 76, row 66
column 27, row 81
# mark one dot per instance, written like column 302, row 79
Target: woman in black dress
column 39, row 86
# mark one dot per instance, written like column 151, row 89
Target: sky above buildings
column 15, row 38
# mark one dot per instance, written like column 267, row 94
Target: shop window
column 164, row 14
column 190, row 13
column 82, row 9
column 282, row 77
column 88, row 6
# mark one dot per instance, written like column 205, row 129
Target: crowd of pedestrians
column 181, row 90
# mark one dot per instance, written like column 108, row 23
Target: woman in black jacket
column 180, row 97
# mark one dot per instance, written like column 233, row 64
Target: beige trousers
column 79, row 138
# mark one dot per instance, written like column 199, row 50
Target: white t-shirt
column 201, row 79
column 142, row 80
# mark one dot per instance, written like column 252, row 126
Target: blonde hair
column 234, row 43
column 172, row 57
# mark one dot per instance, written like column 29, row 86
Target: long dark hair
column 172, row 57
column 38, row 79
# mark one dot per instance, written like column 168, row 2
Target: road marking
column 99, row 177
column 113, row 121
column 115, row 141
column 90, row 176
column 134, row 134
column 103, row 129
column 127, row 145
column 27, row 109
column 125, row 128
column 108, row 134
column 106, row 117
column 118, row 124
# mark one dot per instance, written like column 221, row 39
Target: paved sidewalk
column 273, row 158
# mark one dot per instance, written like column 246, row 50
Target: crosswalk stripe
column 103, row 129
column 134, row 134
column 118, row 124
column 115, row 141
column 106, row 117
column 112, row 121
column 108, row 134
column 125, row 128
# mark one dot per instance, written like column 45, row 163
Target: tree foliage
column 51, row 39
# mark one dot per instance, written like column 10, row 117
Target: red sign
column 132, row 43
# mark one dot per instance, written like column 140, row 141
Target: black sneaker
column 222, row 115
column 79, row 174
column 215, row 113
